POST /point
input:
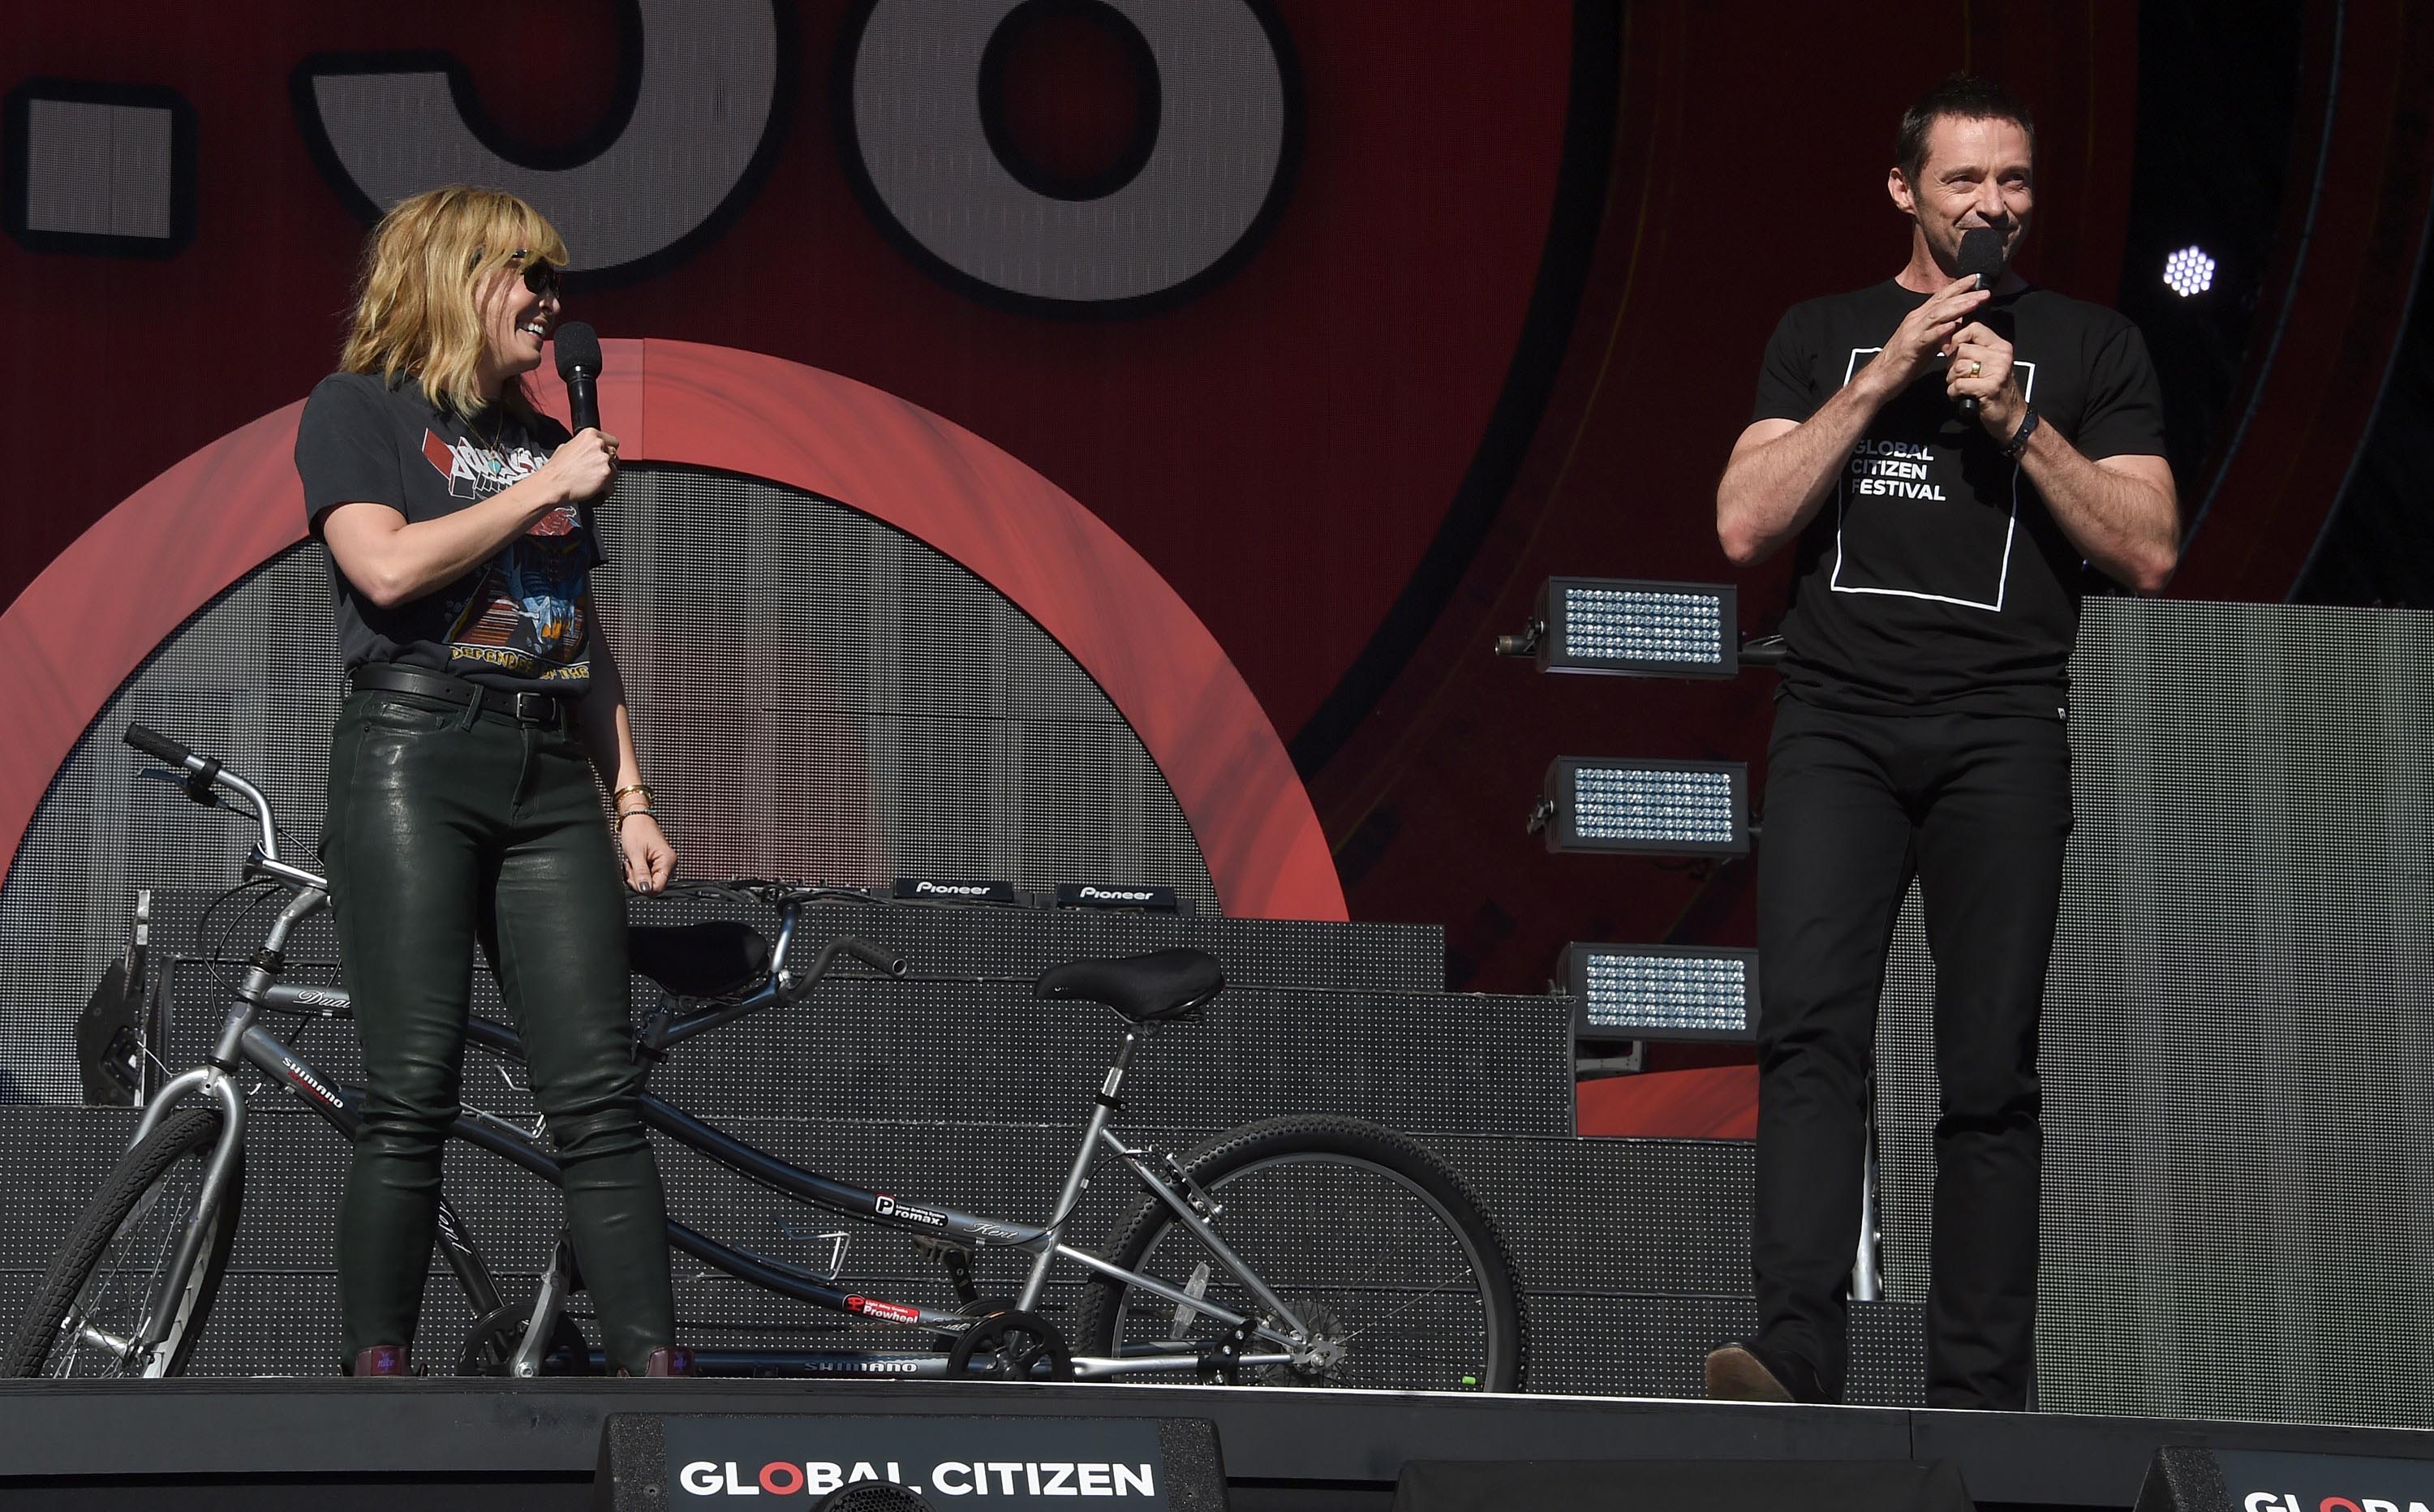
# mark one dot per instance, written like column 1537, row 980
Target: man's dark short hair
column 1963, row 97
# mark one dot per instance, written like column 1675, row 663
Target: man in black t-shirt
column 1940, row 560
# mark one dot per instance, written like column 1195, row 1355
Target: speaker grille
column 2238, row 1036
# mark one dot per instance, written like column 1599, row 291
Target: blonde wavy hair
column 417, row 297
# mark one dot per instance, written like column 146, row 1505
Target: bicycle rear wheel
column 94, row 1298
column 1373, row 1242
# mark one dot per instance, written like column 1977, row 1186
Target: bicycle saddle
column 1164, row 984
column 700, row 960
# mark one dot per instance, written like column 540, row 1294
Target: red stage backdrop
column 1353, row 318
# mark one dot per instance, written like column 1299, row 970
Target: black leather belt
column 546, row 709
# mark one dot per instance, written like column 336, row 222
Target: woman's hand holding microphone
column 585, row 466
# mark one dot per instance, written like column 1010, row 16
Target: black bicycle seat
column 1164, row 984
column 700, row 960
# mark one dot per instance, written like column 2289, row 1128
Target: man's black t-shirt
column 1932, row 577
column 514, row 623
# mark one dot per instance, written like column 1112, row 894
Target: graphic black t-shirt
column 514, row 623
column 1932, row 577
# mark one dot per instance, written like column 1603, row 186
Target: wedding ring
column 1975, row 367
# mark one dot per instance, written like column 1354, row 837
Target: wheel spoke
column 1417, row 1298
column 110, row 1307
column 1382, row 1257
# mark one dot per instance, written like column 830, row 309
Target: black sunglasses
column 540, row 276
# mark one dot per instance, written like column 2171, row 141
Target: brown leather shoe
column 1737, row 1373
column 381, row 1359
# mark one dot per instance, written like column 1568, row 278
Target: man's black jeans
column 1978, row 807
column 447, row 831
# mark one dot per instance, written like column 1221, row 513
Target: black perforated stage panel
column 1304, row 1023
column 2238, row 1046
column 1624, row 1296
column 972, row 1093
column 817, row 695
column 1007, row 1170
column 1753, row 1486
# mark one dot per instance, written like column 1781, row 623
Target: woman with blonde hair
column 463, row 814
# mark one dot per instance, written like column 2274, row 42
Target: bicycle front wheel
column 112, row 1271
column 1371, row 1243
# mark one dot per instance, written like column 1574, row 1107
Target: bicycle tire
column 136, row 1216
column 1295, row 1196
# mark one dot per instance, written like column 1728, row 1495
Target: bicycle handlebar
column 203, row 774
column 157, row 746
column 878, row 957
column 775, row 892
column 789, row 897
column 667, row 1029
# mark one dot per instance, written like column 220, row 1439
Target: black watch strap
column 2019, row 442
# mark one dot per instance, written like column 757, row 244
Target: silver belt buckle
column 536, row 708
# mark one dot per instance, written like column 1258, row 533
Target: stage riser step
column 1306, row 955
column 282, row 1323
column 1585, row 1215
column 1470, row 1065
column 1592, row 1225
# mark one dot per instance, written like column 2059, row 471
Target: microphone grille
column 578, row 350
column 1982, row 252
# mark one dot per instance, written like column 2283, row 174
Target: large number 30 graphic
column 929, row 100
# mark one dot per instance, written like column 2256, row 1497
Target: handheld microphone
column 1981, row 253
column 578, row 363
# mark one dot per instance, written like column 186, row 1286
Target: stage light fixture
column 1622, row 627
column 1659, row 992
column 1668, row 807
column 2188, row 271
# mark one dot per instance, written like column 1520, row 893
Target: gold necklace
column 498, row 436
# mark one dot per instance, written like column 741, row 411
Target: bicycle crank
column 491, row 1344
column 1011, row 1346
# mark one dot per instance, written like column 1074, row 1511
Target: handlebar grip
column 878, row 957
column 156, row 745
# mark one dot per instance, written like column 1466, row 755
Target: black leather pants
column 446, row 832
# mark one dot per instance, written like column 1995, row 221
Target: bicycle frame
column 242, row 1042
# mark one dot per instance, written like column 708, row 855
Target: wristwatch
column 2019, row 442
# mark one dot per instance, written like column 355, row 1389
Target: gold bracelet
column 648, row 796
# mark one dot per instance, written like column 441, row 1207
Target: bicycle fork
column 217, row 1081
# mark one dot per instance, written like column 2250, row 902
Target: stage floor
column 534, row 1445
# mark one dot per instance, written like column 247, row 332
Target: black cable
column 216, row 951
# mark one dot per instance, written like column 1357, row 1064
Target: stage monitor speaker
column 1681, row 1485
column 650, row 1462
column 2188, row 1479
